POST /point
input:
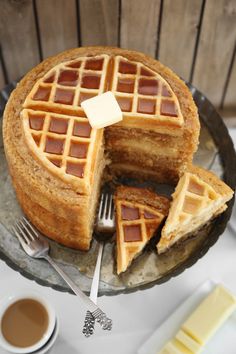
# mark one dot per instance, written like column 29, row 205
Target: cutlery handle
column 85, row 299
column 89, row 322
column 96, row 276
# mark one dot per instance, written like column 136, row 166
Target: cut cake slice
column 199, row 197
column 139, row 213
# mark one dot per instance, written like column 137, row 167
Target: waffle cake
column 139, row 214
column 199, row 197
column 57, row 160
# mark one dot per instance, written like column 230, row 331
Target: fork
column 38, row 247
column 104, row 228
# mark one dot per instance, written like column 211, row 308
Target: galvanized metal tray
column 216, row 152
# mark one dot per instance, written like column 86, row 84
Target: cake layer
column 166, row 174
column 63, row 230
column 115, row 134
column 166, row 169
column 147, row 148
column 146, row 160
column 68, row 223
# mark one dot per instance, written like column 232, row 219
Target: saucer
column 46, row 347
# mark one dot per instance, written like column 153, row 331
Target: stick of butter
column 174, row 347
column 202, row 324
column 189, row 343
column 212, row 312
column 102, row 110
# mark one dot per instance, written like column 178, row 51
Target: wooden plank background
column 139, row 22
column 230, row 95
column 18, row 37
column 178, row 36
column 57, row 31
column 216, row 48
column 2, row 81
column 99, row 22
column 196, row 38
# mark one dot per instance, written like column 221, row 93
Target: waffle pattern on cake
column 52, row 132
column 63, row 139
column 142, row 92
column 136, row 224
column 195, row 201
column 65, row 144
column 68, row 84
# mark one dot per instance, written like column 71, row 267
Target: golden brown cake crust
column 54, row 226
column 48, row 190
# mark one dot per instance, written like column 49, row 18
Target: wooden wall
column 196, row 38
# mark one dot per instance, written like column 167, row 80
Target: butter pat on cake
column 139, row 214
column 199, row 197
column 102, row 110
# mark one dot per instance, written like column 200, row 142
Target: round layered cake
column 58, row 162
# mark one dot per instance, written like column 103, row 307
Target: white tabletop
column 135, row 316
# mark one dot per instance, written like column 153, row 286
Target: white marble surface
column 136, row 315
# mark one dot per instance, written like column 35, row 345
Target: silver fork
column 38, row 247
column 104, row 228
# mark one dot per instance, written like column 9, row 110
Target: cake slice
column 199, row 197
column 139, row 213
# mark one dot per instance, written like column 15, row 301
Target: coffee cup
column 27, row 321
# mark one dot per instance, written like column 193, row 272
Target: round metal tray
column 216, row 152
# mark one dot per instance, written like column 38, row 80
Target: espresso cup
column 25, row 317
